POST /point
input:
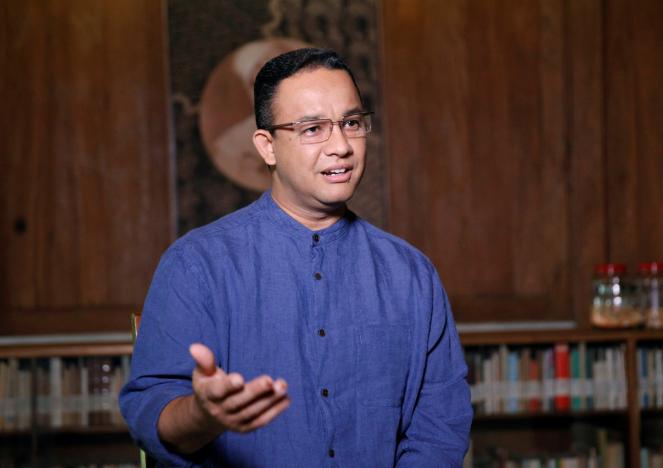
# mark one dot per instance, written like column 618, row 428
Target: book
column 535, row 392
column 55, row 386
column 575, row 392
column 562, row 375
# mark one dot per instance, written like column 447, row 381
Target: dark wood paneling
column 524, row 141
column 477, row 125
column 86, row 187
column 634, row 136
column 587, row 210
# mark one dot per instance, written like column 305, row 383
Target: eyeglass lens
column 317, row 131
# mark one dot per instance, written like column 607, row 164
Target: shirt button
column 316, row 238
column 317, row 276
column 322, row 332
column 331, row 453
column 324, row 392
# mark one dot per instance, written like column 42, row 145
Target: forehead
column 319, row 92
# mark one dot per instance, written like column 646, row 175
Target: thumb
column 204, row 358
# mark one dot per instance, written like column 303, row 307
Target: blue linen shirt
column 353, row 318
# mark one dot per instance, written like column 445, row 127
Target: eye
column 310, row 128
column 352, row 123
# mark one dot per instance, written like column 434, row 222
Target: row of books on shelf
column 560, row 377
column 613, row 457
column 650, row 376
column 592, row 447
column 61, row 392
column 614, row 452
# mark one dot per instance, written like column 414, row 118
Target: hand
column 230, row 402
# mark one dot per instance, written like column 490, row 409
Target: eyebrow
column 354, row 110
column 307, row 118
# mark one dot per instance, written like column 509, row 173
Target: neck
column 312, row 219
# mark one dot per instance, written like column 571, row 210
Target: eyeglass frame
column 292, row 125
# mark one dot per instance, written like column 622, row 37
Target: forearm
column 438, row 434
column 185, row 428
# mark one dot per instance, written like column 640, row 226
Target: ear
column 264, row 143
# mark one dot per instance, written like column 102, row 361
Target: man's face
column 303, row 178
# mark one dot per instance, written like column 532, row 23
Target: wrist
column 202, row 419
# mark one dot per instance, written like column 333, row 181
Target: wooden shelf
column 76, row 350
column 552, row 336
column 597, row 414
column 631, row 416
column 71, row 430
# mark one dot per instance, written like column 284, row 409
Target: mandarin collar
column 292, row 228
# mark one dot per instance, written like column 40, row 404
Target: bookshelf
column 612, row 399
column 103, row 439
column 58, row 401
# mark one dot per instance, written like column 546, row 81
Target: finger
column 267, row 416
column 222, row 386
column 260, row 405
column 205, row 362
column 257, row 388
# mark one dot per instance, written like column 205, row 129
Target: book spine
column 659, row 377
column 562, row 390
column 4, row 384
column 503, row 378
column 523, row 388
column 621, row 366
column 55, row 381
column 582, row 375
column 575, row 379
column 535, row 392
column 488, row 386
column 642, row 378
column 84, row 407
column 513, row 387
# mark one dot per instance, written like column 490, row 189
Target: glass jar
column 614, row 302
column 650, row 293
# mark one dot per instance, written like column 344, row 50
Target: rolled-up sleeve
column 173, row 317
column 436, row 432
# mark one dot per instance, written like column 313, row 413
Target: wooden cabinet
column 86, row 165
column 554, row 432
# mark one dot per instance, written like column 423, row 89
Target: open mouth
column 335, row 172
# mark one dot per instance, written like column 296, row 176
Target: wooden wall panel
column 634, row 130
column 585, row 123
column 86, row 168
column 476, row 138
column 525, row 143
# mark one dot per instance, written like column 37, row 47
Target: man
column 316, row 338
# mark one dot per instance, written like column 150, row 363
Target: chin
column 338, row 197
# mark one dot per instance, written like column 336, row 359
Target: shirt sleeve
column 436, row 431
column 174, row 316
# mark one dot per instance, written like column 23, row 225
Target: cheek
column 359, row 149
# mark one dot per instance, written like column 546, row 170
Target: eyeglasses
column 356, row 125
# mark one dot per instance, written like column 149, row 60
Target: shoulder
column 386, row 242
column 216, row 238
column 387, row 245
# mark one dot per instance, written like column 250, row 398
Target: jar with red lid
column 650, row 293
column 614, row 302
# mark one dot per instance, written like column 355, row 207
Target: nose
column 337, row 144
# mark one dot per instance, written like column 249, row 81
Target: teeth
column 337, row 171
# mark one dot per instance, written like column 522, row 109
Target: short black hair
column 284, row 66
